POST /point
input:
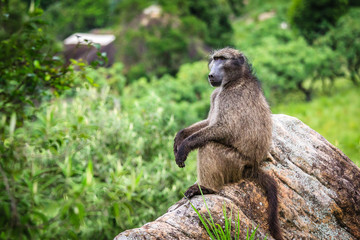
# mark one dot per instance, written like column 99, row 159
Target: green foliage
column 158, row 45
column 315, row 18
column 216, row 16
column 213, row 13
column 30, row 69
column 237, row 7
column 285, row 67
column 189, row 87
column 28, row 66
column 253, row 33
column 126, row 10
column 345, row 39
column 168, row 46
column 284, row 62
column 254, row 8
column 84, row 167
column 68, row 17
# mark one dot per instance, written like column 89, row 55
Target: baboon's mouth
column 215, row 83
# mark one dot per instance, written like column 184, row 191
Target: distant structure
column 81, row 46
column 150, row 15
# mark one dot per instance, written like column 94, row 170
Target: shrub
column 180, row 33
column 285, row 67
column 84, row 168
column 29, row 69
column 166, row 49
column 315, row 18
column 344, row 38
column 69, row 17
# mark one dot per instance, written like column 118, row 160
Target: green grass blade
column 207, row 208
column 203, row 221
column 220, row 231
column 252, row 236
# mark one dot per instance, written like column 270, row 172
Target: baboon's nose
column 211, row 76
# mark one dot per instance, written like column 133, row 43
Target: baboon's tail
column 270, row 187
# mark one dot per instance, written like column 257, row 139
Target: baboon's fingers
column 181, row 156
column 180, row 164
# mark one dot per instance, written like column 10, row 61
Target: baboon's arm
column 186, row 132
column 198, row 139
column 195, row 127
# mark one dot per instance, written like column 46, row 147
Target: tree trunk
column 307, row 92
column 319, row 194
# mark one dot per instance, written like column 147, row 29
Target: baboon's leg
column 219, row 165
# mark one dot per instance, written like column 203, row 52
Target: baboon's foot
column 194, row 190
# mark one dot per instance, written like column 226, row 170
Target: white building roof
column 102, row 39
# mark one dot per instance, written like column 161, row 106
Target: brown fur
column 236, row 136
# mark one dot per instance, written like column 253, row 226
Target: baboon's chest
column 214, row 111
column 218, row 111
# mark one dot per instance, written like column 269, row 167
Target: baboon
column 235, row 137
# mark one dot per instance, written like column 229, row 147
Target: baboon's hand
column 181, row 156
column 179, row 138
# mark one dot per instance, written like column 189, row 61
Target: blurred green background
column 86, row 151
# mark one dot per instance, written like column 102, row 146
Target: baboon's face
column 217, row 71
column 226, row 65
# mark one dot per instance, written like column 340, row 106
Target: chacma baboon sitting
column 236, row 136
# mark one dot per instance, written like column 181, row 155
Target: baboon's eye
column 219, row 58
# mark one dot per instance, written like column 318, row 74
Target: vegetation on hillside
column 87, row 154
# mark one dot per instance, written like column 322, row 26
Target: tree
column 345, row 39
column 180, row 32
column 30, row 68
column 28, row 64
column 69, row 16
column 314, row 18
column 285, row 67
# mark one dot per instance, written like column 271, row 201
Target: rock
column 319, row 194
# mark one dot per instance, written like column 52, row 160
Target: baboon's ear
column 239, row 61
column 242, row 59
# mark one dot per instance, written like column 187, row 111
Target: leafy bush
column 345, row 39
column 168, row 46
column 159, row 44
column 284, row 62
column 315, row 18
column 216, row 16
column 29, row 69
column 292, row 66
column 252, row 33
column 98, row 163
column 85, row 169
column 68, row 17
